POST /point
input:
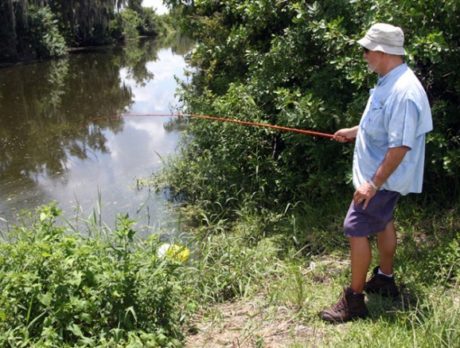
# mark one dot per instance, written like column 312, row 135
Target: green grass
column 300, row 261
column 432, row 321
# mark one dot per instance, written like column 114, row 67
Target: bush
column 116, row 28
column 150, row 23
column 131, row 22
column 60, row 289
column 44, row 33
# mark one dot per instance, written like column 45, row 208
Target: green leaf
column 45, row 299
column 75, row 329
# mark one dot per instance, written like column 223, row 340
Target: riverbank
column 164, row 40
column 71, row 50
column 252, row 283
column 31, row 31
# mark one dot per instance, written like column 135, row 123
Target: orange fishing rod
column 240, row 122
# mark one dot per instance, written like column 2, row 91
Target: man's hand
column 345, row 134
column 393, row 158
column 364, row 194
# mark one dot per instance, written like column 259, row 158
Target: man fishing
column 388, row 162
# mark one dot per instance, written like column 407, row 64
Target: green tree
column 45, row 34
column 37, row 28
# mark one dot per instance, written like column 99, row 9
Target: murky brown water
column 59, row 140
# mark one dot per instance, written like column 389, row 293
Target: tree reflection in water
column 48, row 110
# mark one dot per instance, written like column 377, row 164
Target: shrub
column 150, row 22
column 58, row 288
column 131, row 22
column 44, row 32
column 116, row 28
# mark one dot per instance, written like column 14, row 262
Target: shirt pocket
column 374, row 125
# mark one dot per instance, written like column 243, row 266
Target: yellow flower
column 174, row 252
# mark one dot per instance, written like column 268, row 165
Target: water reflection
column 59, row 139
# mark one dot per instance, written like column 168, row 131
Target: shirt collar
column 393, row 73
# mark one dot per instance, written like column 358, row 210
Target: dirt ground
column 250, row 324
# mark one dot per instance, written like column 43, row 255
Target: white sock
column 386, row 275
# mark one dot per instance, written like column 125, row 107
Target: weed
column 59, row 288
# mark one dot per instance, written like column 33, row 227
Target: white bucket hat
column 385, row 38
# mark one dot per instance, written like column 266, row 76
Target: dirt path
column 251, row 324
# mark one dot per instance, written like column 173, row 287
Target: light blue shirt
column 397, row 114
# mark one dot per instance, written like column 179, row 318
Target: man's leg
column 351, row 305
column 360, row 260
column 379, row 283
column 386, row 243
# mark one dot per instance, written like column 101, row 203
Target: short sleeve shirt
column 397, row 114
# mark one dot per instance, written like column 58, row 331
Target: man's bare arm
column 391, row 161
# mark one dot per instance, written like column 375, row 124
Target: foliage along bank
column 296, row 63
column 36, row 29
column 62, row 289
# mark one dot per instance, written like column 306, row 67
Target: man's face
column 373, row 59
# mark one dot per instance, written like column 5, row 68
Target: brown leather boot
column 380, row 284
column 349, row 307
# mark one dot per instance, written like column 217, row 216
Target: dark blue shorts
column 361, row 222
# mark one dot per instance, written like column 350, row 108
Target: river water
column 61, row 138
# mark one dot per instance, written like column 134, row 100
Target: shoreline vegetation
column 263, row 210
column 254, row 282
column 37, row 30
